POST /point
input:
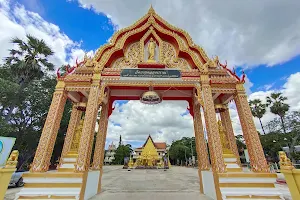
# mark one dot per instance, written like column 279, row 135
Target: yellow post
column 7, row 171
column 292, row 175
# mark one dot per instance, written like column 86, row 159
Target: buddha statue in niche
column 151, row 50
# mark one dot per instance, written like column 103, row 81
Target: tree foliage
column 278, row 107
column 182, row 149
column 258, row 110
column 26, row 90
column 122, row 152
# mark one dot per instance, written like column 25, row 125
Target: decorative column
column 100, row 143
column 214, row 142
column 101, row 137
column 87, row 136
column 74, row 120
column 201, row 148
column 256, row 153
column 226, row 121
column 45, row 147
column 202, row 154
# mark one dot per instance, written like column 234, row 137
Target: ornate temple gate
column 136, row 60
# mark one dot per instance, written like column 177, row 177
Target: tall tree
column 278, row 107
column 27, row 63
column 258, row 110
column 121, row 152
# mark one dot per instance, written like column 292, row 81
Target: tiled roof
column 160, row 145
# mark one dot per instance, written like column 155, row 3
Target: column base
column 240, row 185
column 60, row 185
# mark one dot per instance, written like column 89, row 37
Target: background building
column 110, row 154
column 161, row 148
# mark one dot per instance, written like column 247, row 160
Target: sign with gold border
column 151, row 73
column 6, row 145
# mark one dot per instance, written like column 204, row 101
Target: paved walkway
column 175, row 183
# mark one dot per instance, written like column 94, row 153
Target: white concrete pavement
column 175, row 183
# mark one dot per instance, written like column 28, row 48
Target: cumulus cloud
column 16, row 21
column 245, row 33
column 166, row 121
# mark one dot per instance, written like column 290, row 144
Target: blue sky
column 250, row 38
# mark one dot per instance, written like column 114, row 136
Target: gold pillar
column 100, row 143
column 202, row 154
column 214, row 142
column 45, row 147
column 101, row 137
column 256, row 153
column 226, row 121
column 87, row 136
column 74, row 120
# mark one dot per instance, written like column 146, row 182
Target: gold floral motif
column 131, row 58
column 255, row 150
column 78, row 77
column 45, row 147
column 170, row 59
column 86, row 141
column 202, row 154
column 222, row 79
column 74, row 120
column 225, row 118
column 101, row 137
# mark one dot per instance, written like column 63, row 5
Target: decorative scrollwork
column 131, row 58
column 170, row 58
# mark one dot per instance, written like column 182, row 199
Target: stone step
column 250, row 193
column 246, row 174
column 52, row 174
column 50, row 193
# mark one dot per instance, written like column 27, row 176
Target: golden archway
column 97, row 82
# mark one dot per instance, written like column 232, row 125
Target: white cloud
column 163, row 121
column 16, row 21
column 245, row 33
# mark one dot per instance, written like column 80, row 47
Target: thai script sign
column 150, row 73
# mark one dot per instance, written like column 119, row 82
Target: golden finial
column 151, row 11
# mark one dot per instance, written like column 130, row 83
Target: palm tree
column 29, row 60
column 278, row 107
column 258, row 110
column 27, row 63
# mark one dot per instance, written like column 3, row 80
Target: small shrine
column 152, row 155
